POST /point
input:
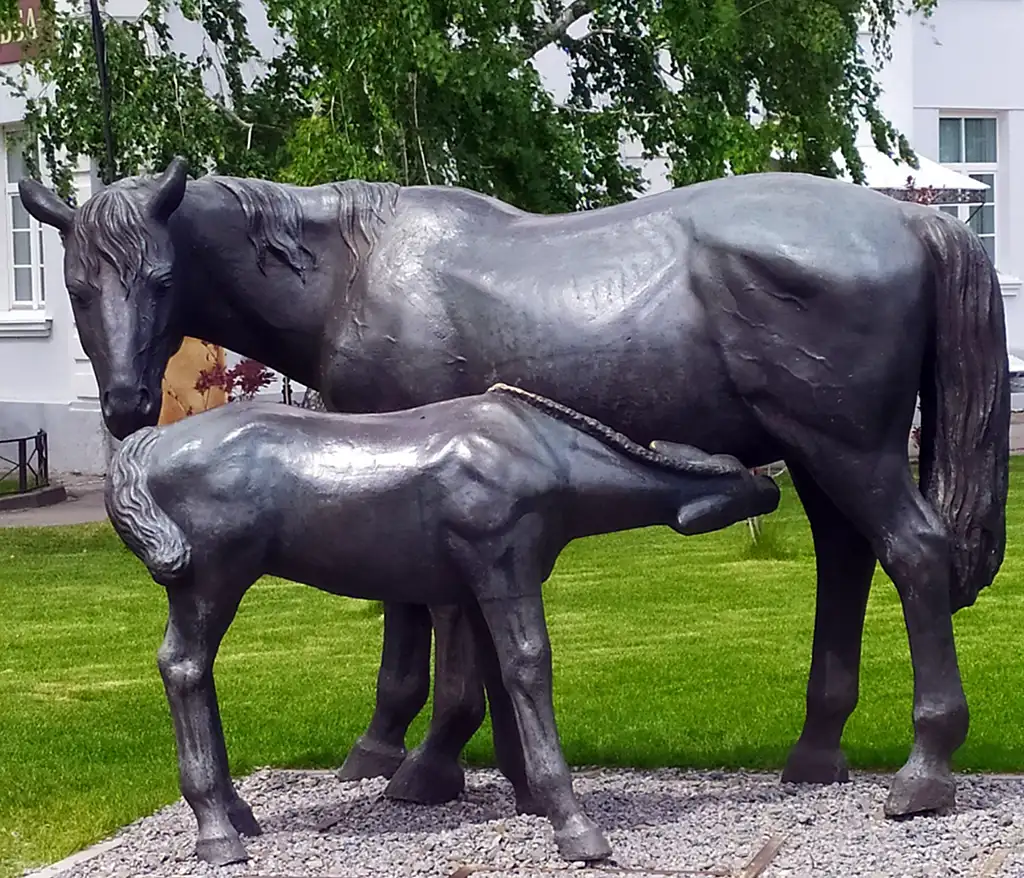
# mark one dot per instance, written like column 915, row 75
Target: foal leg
column 199, row 616
column 403, row 683
column 520, row 639
column 431, row 774
column 508, row 747
column 845, row 565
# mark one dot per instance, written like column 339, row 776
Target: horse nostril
column 145, row 400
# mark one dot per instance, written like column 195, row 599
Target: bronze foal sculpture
column 481, row 494
column 767, row 316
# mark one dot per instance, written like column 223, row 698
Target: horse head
column 118, row 269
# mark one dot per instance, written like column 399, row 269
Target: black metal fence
column 28, row 460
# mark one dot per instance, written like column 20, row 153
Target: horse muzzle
column 127, row 409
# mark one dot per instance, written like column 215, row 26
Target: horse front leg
column 403, row 684
column 845, row 565
column 520, row 637
column 199, row 615
column 432, row 774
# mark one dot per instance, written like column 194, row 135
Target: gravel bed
column 712, row 822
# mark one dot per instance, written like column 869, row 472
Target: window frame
column 992, row 198
column 37, row 256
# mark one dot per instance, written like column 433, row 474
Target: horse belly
column 656, row 374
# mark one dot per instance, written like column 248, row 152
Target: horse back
column 684, row 316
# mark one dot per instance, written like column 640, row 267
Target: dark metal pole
column 42, row 459
column 22, row 466
column 109, row 173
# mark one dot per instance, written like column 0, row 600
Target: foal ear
column 46, row 205
column 697, row 461
column 169, row 190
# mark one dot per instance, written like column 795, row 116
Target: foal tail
column 143, row 526
column 965, row 405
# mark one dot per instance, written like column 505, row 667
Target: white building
column 954, row 87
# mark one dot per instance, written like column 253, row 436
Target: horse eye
column 78, row 299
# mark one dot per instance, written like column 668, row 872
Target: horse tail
column 143, row 526
column 965, row 405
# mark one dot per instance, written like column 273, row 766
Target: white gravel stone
column 710, row 822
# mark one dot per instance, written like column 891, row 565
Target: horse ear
column 170, row 189
column 45, row 205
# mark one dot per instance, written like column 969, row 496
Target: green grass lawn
column 668, row 651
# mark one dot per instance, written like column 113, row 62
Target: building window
column 24, row 233
column 970, row 145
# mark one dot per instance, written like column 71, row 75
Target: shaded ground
column 707, row 823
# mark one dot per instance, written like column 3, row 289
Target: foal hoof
column 918, row 791
column 426, row 780
column 369, row 758
column 221, row 851
column 580, row 839
column 807, row 765
column 242, row 819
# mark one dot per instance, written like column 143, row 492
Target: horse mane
column 273, row 221
column 363, row 210
column 714, row 465
column 111, row 226
column 274, row 214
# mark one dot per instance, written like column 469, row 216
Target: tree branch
column 557, row 28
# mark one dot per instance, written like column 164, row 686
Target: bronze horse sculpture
column 766, row 316
column 482, row 494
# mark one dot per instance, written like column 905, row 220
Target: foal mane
column 714, row 465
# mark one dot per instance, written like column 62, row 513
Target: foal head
column 118, row 269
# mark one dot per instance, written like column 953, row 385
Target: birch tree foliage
column 447, row 91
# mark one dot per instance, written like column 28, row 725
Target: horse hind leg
column 912, row 543
column 432, row 774
column 845, row 566
column 199, row 615
column 465, row 663
column 403, row 684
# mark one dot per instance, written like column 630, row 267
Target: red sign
column 12, row 41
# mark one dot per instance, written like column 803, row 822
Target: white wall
column 969, row 58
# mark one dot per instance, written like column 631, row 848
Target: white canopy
column 1016, row 364
column 882, row 172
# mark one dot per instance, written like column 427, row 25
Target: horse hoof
column 426, row 780
column 242, row 819
column 527, row 804
column 581, row 840
column 806, row 765
column 369, row 759
column 919, row 791
column 221, row 851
